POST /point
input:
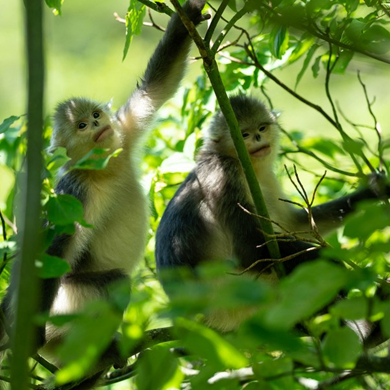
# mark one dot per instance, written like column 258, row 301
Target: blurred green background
column 84, row 58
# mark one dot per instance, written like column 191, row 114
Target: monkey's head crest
column 258, row 127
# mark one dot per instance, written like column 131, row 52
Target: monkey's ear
column 276, row 113
column 108, row 105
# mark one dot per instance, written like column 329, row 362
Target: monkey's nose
column 96, row 123
column 258, row 137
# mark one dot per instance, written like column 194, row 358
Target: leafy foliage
column 296, row 333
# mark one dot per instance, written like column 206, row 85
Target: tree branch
column 22, row 340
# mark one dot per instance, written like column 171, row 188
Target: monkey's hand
column 379, row 184
column 193, row 9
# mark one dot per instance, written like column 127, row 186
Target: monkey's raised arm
column 330, row 215
column 163, row 73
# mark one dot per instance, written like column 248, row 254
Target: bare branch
column 377, row 126
column 119, row 19
column 281, row 260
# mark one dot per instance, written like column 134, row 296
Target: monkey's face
column 261, row 140
column 82, row 125
column 259, row 130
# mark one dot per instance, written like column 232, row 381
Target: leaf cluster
column 296, row 334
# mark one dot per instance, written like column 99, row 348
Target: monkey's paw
column 379, row 184
column 193, row 9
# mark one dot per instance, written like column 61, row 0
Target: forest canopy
column 313, row 53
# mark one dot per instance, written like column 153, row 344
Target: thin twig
column 214, row 21
column 228, row 27
column 252, row 55
column 280, row 260
column 153, row 23
column 119, row 19
column 43, row 362
column 377, row 126
column 311, row 154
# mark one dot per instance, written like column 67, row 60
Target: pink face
column 97, row 125
column 259, row 141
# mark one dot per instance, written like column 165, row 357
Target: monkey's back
column 193, row 227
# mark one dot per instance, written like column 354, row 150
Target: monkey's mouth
column 102, row 134
column 263, row 150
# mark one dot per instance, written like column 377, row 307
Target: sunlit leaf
column 210, row 345
column 85, row 341
column 306, row 63
column 56, row 5
column 316, row 66
column 353, row 146
column 7, row 123
column 134, row 19
column 370, row 218
column 51, row 266
column 279, row 39
column 308, row 289
column 178, row 162
column 341, row 348
column 95, row 159
column 351, row 309
column 64, row 209
column 158, row 369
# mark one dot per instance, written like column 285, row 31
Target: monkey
column 112, row 198
column 204, row 222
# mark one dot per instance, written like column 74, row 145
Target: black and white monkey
column 203, row 221
column 113, row 200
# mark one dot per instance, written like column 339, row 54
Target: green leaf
column 208, row 344
column 95, row 159
column 64, row 209
column 158, row 368
column 353, row 146
column 134, row 20
column 273, row 367
column 385, row 323
column 85, row 341
column 351, row 309
column 308, row 289
column 51, row 267
column 327, row 147
column 306, row 63
column 178, row 162
column 316, row 66
column 363, row 224
column 341, row 348
column 56, row 5
column 345, row 58
column 7, row 123
column 232, row 5
column 279, row 39
column 57, row 159
column 7, row 176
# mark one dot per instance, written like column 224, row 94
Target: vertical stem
column 212, row 71
column 214, row 21
column 22, row 340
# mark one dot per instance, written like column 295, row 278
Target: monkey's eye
column 263, row 128
column 82, row 126
column 245, row 135
column 96, row 115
